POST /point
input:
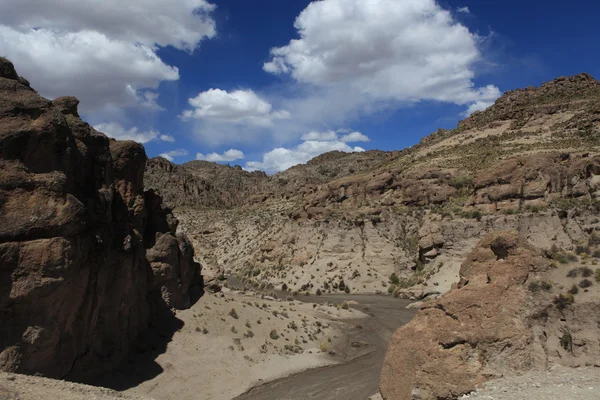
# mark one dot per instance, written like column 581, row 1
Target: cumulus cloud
column 314, row 135
column 238, row 107
column 103, row 52
column 314, row 144
column 229, row 155
column 167, row 138
column 117, row 131
column 354, row 137
column 464, row 10
column 384, row 50
column 170, row 155
column 477, row 106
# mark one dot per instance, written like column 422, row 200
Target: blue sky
column 198, row 79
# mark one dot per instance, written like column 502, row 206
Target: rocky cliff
column 87, row 257
column 508, row 314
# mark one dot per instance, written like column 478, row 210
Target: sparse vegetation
column 566, row 341
column 563, row 301
column 586, row 272
column 586, row 283
column 574, row 289
column 233, row 314
column 537, row 286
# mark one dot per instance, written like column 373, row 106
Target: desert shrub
column 566, row 341
column 574, row 289
column 284, row 287
column 596, row 253
column 346, row 289
column 233, row 314
column 562, row 301
column 597, row 275
column 394, row 280
column 475, row 214
column 204, row 330
column 292, row 325
column 319, row 292
column 586, row 272
column 537, row 286
column 574, row 273
column 391, row 289
column 460, row 182
column 344, row 306
column 509, row 211
column 274, row 335
column 289, row 298
column 582, row 250
column 594, row 240
column 249, row 334
column 586, row 283
column 222, row 277
column 324, row 346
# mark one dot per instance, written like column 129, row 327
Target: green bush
column 394, row 280
column 566, row 341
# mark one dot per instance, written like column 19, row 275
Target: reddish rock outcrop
column 79, row 240
column 477, row 331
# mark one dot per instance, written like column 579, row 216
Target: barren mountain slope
column 530, row 163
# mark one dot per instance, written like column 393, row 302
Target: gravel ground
column 560, row 383
column 22, row 387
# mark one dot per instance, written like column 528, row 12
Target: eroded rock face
column 477, row 331
column 79, row 239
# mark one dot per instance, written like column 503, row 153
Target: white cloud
column 229, row 155
column 117, row 131
column 382, row 51
column 238, row 107
column 314, row 144
column 170, row 155
column 464, row 10
column 313, row 135
column 103, row 52
column 354, row 137
column 477, row 106
column 167, row 138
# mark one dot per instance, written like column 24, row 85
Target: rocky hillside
column 199, row 184
column 387, row 222
column 512, row 311
column 88, row 259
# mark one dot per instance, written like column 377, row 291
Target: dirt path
column 353, row 380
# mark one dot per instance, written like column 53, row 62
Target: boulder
column 475, row 332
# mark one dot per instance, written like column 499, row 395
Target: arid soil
column 559, row 383
column 231, row 341
column 353, row 379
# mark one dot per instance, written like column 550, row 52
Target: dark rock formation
column 79, row 240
